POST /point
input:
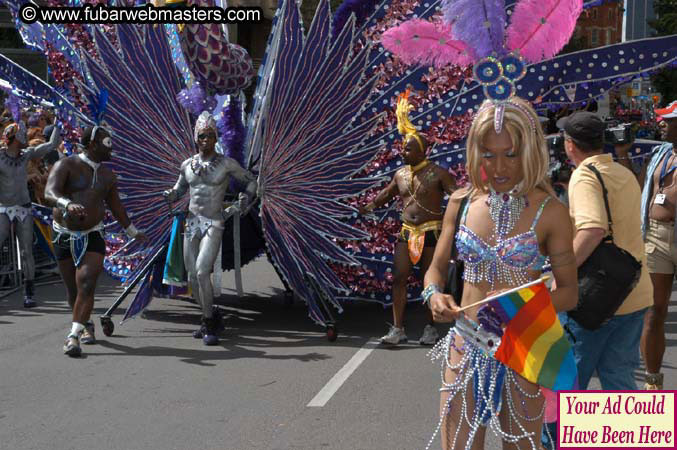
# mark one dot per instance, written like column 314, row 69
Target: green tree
column 308, row 8
column 665, row 81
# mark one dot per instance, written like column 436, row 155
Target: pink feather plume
column 540, row 28
column 418, row 41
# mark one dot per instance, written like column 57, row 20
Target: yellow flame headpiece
column 404, row 125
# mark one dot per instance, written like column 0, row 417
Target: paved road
column 152, row 386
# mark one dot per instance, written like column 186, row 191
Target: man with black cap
column 659, row 196
column 613, row 349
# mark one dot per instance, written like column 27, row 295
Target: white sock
column 76, row 329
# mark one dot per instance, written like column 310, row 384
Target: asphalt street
column 152, row 386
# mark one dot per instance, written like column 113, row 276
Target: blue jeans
column 612, row 350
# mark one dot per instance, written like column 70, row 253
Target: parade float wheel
column 332, row 332
column 107, row 326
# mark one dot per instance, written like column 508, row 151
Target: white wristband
column 131, row 231
column 63, row 202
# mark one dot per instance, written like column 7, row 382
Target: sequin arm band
column 429, row 291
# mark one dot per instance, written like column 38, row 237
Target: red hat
column 669, row 112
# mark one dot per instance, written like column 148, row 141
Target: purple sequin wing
column 311, row 154
column 152, row 133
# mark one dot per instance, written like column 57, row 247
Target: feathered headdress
column 14, row 130
column 97, row 107
column 195, row 99
column 18, row 128
column 474, row 32
column 404, row 125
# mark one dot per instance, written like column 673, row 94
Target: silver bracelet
column 63, row 202
column 429, row 291
column 131, row 231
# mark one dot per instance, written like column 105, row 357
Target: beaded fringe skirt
column 483, row 388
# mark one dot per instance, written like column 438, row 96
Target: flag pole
column 542, row 279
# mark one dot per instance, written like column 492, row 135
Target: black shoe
column 72, row 346
column 210, row 336
column 197, row 334
column 29, row 302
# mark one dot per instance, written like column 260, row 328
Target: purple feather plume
column 196, row 100
column 13, row 103
column 479, row 23
column 232, row 131
column 362, row 9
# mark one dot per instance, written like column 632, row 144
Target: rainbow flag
column 533, row 342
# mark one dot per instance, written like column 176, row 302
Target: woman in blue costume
column 510, row 224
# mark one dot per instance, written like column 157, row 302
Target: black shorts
column 62, row 245
column 430, row 237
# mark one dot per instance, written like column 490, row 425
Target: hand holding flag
column 533, row 342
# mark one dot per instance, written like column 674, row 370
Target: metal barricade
column 10, row 277
column 46, row 269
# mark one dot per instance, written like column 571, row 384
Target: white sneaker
column 394, row 336
column 429, row 336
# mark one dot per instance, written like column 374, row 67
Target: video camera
column 560, row 169
column 618, row 133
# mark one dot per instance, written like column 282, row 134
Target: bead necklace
column 505, row 210
column 412, row 192
column 198, row 166
column 14, row 161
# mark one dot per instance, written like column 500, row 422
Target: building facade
column 638, row 13
column 600, row 25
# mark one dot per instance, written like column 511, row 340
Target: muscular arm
column 41, row 150
column 115, row 205
column 179, row 188
column 55, row 190
column 56, row 182
column 383, row 197
column 559, row 248
column 585, row 242
column 244, row 177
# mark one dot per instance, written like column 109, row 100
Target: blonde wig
column 521, row 123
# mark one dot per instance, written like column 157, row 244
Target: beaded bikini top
column 508, row 261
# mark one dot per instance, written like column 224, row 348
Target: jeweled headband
column 205, row 120
column 498, row 115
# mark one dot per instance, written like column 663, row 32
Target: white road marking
column 329, row 389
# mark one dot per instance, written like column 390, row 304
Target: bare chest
column 422, row 183
column 664, row 177
column 83, row 179
column 212, row 173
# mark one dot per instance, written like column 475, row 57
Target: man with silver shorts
column 207, row 175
